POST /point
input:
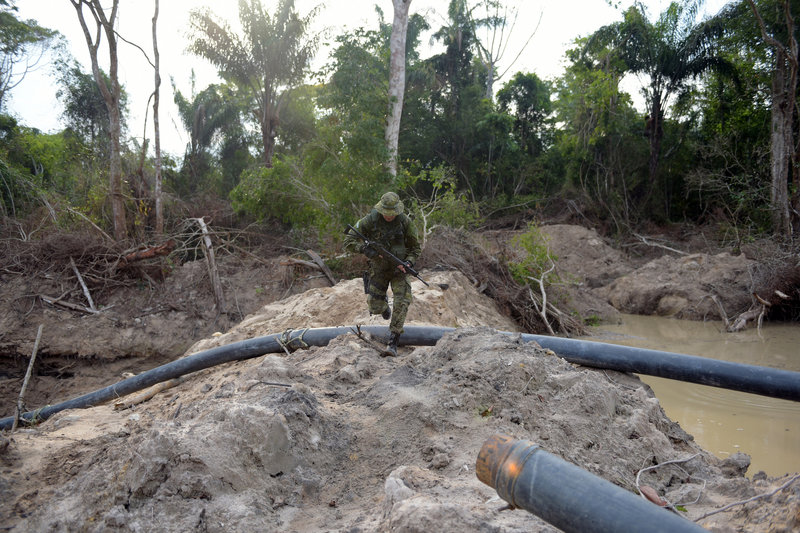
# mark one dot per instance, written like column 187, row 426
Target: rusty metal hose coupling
column 566, row 496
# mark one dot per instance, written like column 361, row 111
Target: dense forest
column 719, row 142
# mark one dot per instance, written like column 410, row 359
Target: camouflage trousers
column 379, row 282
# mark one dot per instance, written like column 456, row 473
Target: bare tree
column 397, row 80
column 492, row 48
column 104, row 25
column 22, row 46
column 156, row 127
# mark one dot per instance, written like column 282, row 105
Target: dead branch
column 543, row 292
column 648, row 242
column 86, row 292
column 368, row 340
column 21, row 398
column 219, row 296
column 95, row 226
column 149, row 253
column 754, row 498
column 68, row 305
column 722, row 312
column 541, row 310
column 322, row 266
column 134, row 399
column 648, row 493
column 289, row 261
column 754, row 313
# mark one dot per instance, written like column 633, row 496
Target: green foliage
column 538, row 258
column 729, row 181
column 436, row 202
column 528, row 99
column 592, row 320
column 267, row 192
column 671, row 52
column 601, row 144
column 218, row 149
column 85, row 112
column 34, row 163
column 355, row 99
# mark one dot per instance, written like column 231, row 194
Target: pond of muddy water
column 723, row 421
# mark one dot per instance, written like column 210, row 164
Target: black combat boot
column 387, row 314
column 391, row 348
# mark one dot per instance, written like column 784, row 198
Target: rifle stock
column 386, row 253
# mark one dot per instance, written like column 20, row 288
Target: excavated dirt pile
column 338, row 438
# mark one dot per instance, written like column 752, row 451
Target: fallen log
column 149, row 253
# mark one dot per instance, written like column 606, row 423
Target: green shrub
column 538, row 258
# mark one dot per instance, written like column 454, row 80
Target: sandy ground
column 338, row 438
column 359, row 442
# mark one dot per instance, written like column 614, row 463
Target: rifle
column 386, row 254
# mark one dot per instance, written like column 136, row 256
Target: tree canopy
column 310, row 149
column 265, row 61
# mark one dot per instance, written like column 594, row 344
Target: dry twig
column 21, row 398
column 86, row 292
column 754, row 498
column 646, row 241
column 667, row 504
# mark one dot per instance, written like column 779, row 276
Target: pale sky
column 35, row 104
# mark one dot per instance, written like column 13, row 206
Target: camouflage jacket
column 398, row 236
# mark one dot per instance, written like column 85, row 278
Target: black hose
column 765, row 381
column 747, row 378
column 567, row 496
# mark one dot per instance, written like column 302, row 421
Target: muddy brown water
column 723, row 421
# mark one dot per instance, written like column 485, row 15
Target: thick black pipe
column 236, row 351
column 784, row 384
column 747, row 378
column 567, row 496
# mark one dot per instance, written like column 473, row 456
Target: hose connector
column 566, row 496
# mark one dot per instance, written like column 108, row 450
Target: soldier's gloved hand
column 369, row 251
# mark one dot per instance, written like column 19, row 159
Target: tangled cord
column 287, row 342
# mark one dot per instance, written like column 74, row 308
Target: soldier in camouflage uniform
column 389, row 226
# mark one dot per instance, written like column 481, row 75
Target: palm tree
column 212, row 118
column 672, row 52
column 269, row 57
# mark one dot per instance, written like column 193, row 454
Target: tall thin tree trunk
column 397, row 80
column 268, row 122
column 156, row 127
column 111, row 97
column 781, row 148
column 656, row 134
column 268, row 140
column 115, row 176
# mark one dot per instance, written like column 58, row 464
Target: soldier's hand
column 369, row 251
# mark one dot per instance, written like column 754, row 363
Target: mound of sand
column 356, row 442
